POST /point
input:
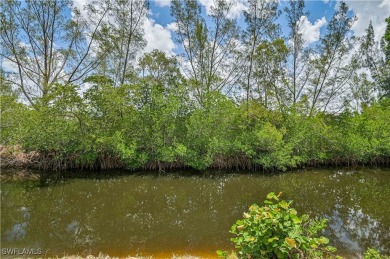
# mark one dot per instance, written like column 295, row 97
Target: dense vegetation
column 88, row 102
column 105, row 129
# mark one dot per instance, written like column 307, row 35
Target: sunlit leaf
column 240, row 227
column 290, row 241
column 324, row 240
column 271, row 195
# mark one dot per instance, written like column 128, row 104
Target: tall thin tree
column 123, row 35
column 43, row 45
column 298, row 58
column 260, row 19
column 210, row 50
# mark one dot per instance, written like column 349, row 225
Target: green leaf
column 222, row 254
column 272, row 239
column 296, row 219
column 291, row 242
column 284, row 204
column 324, row 240
column 271, row 196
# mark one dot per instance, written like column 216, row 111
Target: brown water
column 183, row 213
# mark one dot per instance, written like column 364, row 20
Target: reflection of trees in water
column 51, row 219
column 15, row 211
column 18, row 230
column 356, row 205
column 187, row 213
column 355, row 231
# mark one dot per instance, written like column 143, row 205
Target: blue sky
column 317, row 9
column 159, row 26
column 320, row 13
column 161, row 14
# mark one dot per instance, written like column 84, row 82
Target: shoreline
column 14, row 157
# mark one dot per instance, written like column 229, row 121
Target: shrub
column 374, row 254
column 276, row 231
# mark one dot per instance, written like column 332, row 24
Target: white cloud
column 208, row 4
column 172, row 26
column 79, row 4
column 311, row 32
column 158, row 37
column 236, row 10
column 9, row 66
column 376, row 11
column 162, row 3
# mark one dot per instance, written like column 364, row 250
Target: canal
column 122, row 214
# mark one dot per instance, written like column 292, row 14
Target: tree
column 370, row 51
column 161, row 97
column 270, row 60
column 299, row 57
column 45, row 46
column 259, row 17
column 332, row 67
column 123, row 35
column 385, row 44
column 157, row 72
column 375, row 57
column 362, row 88
column 386, row 41
column 209, row 50
column 157, row 66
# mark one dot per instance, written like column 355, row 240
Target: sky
column 159, row 28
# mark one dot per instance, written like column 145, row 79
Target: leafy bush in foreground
column 374, row 254
column 276, row 231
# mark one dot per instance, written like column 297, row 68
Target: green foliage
column 150, row 125
column 14, row 118
column 374, row 254
column 385, row 78
column 211, row 130
column 386, row 41
column 147, row 114
column 270, row 57
column 270, row 149
column 276, row 231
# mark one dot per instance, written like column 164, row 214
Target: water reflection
column 356, row 230
column 145, row 214
column 18, row 231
